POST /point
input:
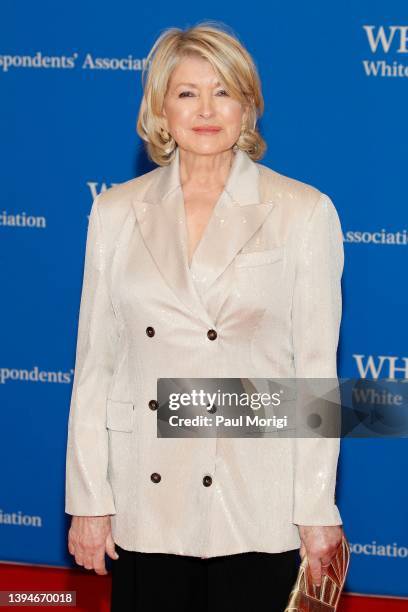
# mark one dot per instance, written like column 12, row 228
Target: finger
column 325, row 568
column 325, row 562
column 315, row 570
column 88, row 562
column 110, row 548
column 99, row 563
column 327, row 558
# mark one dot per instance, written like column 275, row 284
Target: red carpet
column 93, row 591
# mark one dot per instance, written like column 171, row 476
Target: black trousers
column 141, row 582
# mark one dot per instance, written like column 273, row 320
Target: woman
column 210, row 265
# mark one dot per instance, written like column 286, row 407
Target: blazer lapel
column 237, row 215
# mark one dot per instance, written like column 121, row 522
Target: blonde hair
column 233, row 65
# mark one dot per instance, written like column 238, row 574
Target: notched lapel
column 162, row 228
column 229, row 229
column 237, row 215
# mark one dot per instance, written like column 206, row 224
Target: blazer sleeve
column 316, row 318
column 88, row 491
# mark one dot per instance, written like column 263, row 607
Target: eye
column 184, row 94
column 223, row 91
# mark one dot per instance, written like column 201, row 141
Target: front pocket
column 119, row 415
column 259, row 258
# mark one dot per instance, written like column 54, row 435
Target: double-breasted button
column 150, row 331
column 155, row 477
column 211, row 334
column 212, row 409
column 153, row 404
column 207, row 481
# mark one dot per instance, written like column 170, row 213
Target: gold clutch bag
column 308, row 597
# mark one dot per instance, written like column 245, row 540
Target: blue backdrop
column 335, row 83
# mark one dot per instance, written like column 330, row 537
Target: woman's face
column 195, row 99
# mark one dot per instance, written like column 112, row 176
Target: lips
column 208, row 129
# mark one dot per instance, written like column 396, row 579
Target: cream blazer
column 266, row 276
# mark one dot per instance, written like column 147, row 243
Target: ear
column 164, row 118
column 245, row 114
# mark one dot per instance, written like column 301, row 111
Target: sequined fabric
column 266, row 277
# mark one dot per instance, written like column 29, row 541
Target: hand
column 89, row 538
column 320, row 545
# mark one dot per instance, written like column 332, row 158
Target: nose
column 206, row 108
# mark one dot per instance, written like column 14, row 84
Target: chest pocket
column 258, row 283
column 259, row 258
